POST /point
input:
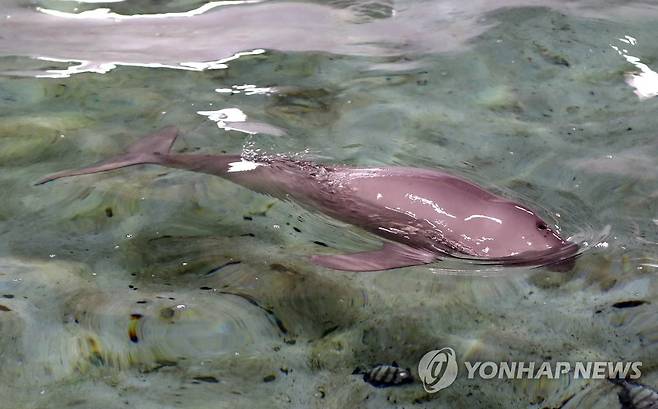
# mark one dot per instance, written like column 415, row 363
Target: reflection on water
column 646, row 81
column 153, row 287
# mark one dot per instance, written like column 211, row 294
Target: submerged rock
column 635, row 395
column 384, row 375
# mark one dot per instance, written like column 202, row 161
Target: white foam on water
column 243, row 166
column 645, row 81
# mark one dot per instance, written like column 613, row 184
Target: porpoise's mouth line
column 534, row 259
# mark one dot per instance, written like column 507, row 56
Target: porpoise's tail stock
column 146, row 150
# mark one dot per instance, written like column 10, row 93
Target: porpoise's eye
column 542, row 226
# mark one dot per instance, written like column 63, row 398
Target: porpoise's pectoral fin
column 392, row 255
column 146, row 150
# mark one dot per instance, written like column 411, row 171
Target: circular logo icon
column 438, row 369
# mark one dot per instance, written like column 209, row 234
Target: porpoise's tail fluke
column 146, row 150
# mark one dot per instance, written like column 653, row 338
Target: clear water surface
column 157, row 288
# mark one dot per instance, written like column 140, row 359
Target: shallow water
column 150, row 287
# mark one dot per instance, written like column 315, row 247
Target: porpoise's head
column 521, row 237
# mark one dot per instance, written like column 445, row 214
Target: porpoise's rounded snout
column 559, row 259
column 566, row 260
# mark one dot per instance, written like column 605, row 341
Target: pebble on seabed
column 383, row 375
column 636, row 395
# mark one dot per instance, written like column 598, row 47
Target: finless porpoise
column 422, row 214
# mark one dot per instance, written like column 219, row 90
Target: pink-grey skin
column 422, row 214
